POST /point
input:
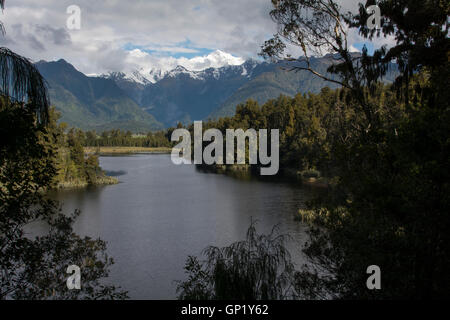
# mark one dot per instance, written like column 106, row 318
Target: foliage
column 259, row 267
column 20, row 81
column 73, row 168
column 390, row 207
column 119, row 138
column 387, row 147
column 33, row 266
column 310, row 124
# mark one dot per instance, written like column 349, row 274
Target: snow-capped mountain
column 155, row 75
column 134, row 76
column 245, row 70
column 186, row 95
column 154, row 71
column 182, row 71
column 182, row 94
column 93, row 102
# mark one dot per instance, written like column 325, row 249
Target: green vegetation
column 124, row 150
column 310, row 125
column 119, row 138
column 386, row 148
column 258, row 268
column 93, row 103
column 76, row 159
column 73, row 168
column 279, row 81
column 34, row 266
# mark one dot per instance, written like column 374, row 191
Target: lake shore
column 79, row 184
column 309, row 178
column 125, row 150
column 158, row 200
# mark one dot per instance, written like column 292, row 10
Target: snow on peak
column 133, row 76
column 154, row 68
column 138, row 77
column 182, row 70
column 154, row 75
column 143, row 68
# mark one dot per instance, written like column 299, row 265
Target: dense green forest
column 30, row 161
column 119, row 138
column 386, row 149
column 310, row 125
column 73, row 167
column 368, row 174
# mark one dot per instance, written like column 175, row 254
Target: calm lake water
column 160, row 213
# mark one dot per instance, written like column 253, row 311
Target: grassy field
column 125, row 150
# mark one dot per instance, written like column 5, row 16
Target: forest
column 119, row 138
column 384, row 148
column 310, row 125
column 74, row 168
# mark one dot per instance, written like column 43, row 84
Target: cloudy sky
column 124, row 35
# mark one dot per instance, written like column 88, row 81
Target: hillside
column 281, row 80
column 133, row 102
column 92, row 102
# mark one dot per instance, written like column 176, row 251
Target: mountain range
column 92, row 102
column 141, row 101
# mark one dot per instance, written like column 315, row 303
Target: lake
column 160, row 213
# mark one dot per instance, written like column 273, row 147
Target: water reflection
column 117, row 173
column 161, row 213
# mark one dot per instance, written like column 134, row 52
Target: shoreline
column 249, row 171
column 126, row 150
column 79, row 184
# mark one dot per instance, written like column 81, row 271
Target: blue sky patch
column 369, row 46
column 181, row 49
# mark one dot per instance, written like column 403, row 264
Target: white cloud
column 353, row 49
column 215, row 59
column 165, row 28
column 161, row 30
column 171, row 49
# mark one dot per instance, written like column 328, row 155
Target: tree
column 34, row 266
column 390, row 204
column 20, row 80
column 259, row 267
column 321, row 26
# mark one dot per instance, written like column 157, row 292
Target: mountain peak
column 132, row 76
column 180, row 68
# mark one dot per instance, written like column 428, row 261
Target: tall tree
column 420, row 29
column 20, row 81
column 391, row 204
column 33, row 266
